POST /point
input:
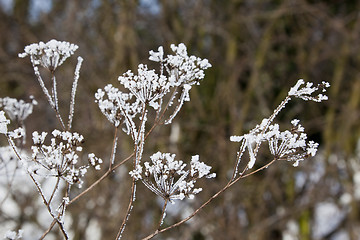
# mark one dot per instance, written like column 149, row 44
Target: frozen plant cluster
column 50, row 55
column 118, row 107
column 290, row 145
column 17, row 110
column 14, row 134
column 149, row 88
column 306, row 92
column 144, row 100
column 61, row 157
column 169, row 178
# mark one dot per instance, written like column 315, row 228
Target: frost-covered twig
column 73, row 91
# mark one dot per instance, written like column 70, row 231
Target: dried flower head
column 17, row 110
column 118, row 107
column 60, row 158
column 147, row 86
column 50, row 55
column 169, row 178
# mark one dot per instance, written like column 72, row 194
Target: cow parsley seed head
column 169, row 178
column 60, row 158
column 305, row 92
column 118, row 107
column 17, row 110
column 290, row 145
column 187, row 69
column 147, row 86
column 50, row 55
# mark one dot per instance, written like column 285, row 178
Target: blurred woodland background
column 258, row 50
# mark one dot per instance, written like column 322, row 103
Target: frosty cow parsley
column 50, row 55
column 170, row 178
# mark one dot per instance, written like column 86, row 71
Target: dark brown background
column 258, row 50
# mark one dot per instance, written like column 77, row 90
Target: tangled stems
column 165, row 94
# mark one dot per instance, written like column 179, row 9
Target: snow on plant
column 162, row 91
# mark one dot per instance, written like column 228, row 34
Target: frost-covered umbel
column 118, row 107
column 169, row 178
column 17, row 110
column 50, row 55
column 61, row 157
column 287, row 145
column 149, row 87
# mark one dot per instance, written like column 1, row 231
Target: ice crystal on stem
column 169, row 178
column 3, row 123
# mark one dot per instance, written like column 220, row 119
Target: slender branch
column 73, row 92
column 54, row 91
column 56, row 102
column 159, row 118
column 162, row 216
column 48, row 230
column 56, row 186
column 113, row 151
column 128, row 211
column 61, row 226
column 107, row 173
column 139, row 144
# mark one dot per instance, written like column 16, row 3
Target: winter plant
column 147, row 99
